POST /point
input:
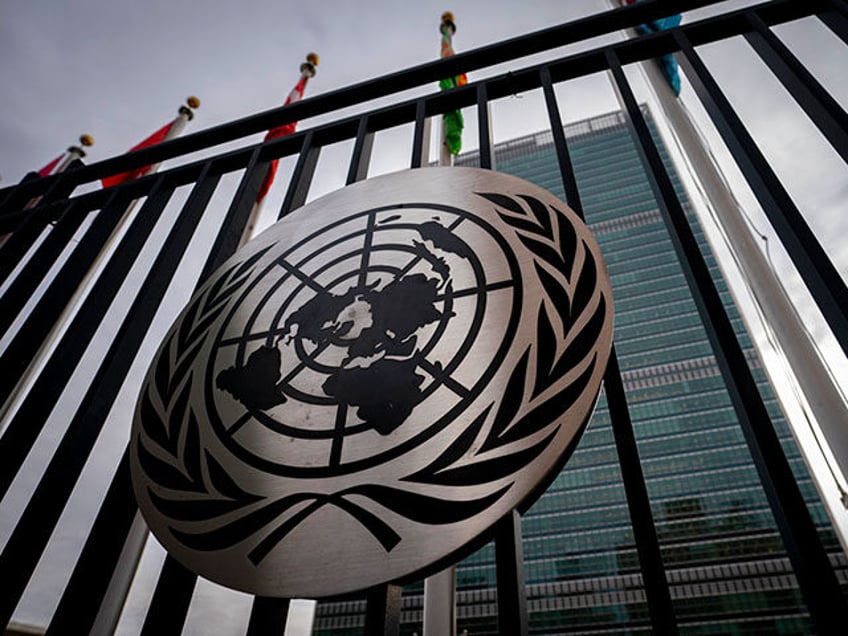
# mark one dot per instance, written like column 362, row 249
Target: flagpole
column 74, row 152
column 440, row 588
column 447, row 28
column 452, row 122
column 116, row 594
column 184, row 115
column 61, row 164
column 64, row 161
column 307, row 71
column 823, row 396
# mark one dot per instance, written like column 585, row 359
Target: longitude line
column 366, row 251
column 338, row 438
column 301, row 276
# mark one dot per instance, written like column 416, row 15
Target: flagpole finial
column 448, row 22
column 85, row 141
column 191, row 102
column 308, row 67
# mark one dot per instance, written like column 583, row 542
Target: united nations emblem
column 363, row 390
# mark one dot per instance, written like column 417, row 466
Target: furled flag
column 59, row 164
column 452, row 121
column 73, row 152
column 307, row 70
column 48, row 169
column 668, row 65
column 168, row 131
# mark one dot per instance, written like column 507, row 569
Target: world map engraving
column 376, row 383
column 378, row 326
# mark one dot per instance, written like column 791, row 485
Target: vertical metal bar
column 420, row 136
column 30, row 536
column 34, row 221
column 836, row 22
column 21, row 350
column 485, row 128
column 226, row 243
column 839, row 5
column 814, row 378
column 27, row 422
column 566, row 167
column 818, row 272
column 821, row 108
column 13, row 200
column 651, row 565
column 174, row 589
column 232, row 227
column 268, row 616
column 100, row 556
column 88, row 586
column 816, row 578
column 32, row 274
column 115, row 596
column 22, row 239
column 382, row 610
column 301, row 178
column 509, row 560
column 361, row 156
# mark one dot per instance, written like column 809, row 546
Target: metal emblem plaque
column 364, row 389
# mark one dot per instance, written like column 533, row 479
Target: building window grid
column 729, row 487
column 621, row 236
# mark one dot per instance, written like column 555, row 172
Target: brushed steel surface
column 371, row 383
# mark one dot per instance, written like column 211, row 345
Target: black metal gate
column 39, row 236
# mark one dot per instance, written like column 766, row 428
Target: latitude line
column 471, row 291
column 338, row 436
column 448, row 381
column 256, row 335
column 417, row 259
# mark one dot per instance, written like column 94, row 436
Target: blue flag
column 668, row 65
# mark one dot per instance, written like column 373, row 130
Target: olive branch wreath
column 177, row 464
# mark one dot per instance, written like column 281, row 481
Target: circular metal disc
column 368, row 386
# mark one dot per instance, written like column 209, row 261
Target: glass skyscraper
column 727, row 567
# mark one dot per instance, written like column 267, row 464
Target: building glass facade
column 727, row 567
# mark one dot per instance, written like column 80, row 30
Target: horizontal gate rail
column 58, row 216
column 637, row 49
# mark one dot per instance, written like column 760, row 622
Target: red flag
column 48, row 169
column 286, row 129
column 152, row 140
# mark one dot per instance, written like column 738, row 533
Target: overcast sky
column 119, row 70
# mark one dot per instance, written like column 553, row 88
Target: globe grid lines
column 408, row 267
column 366, row 251
column 311, row 282
column 433, row 369
column 462, row 293
column 442, row 477
column 296, row 269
